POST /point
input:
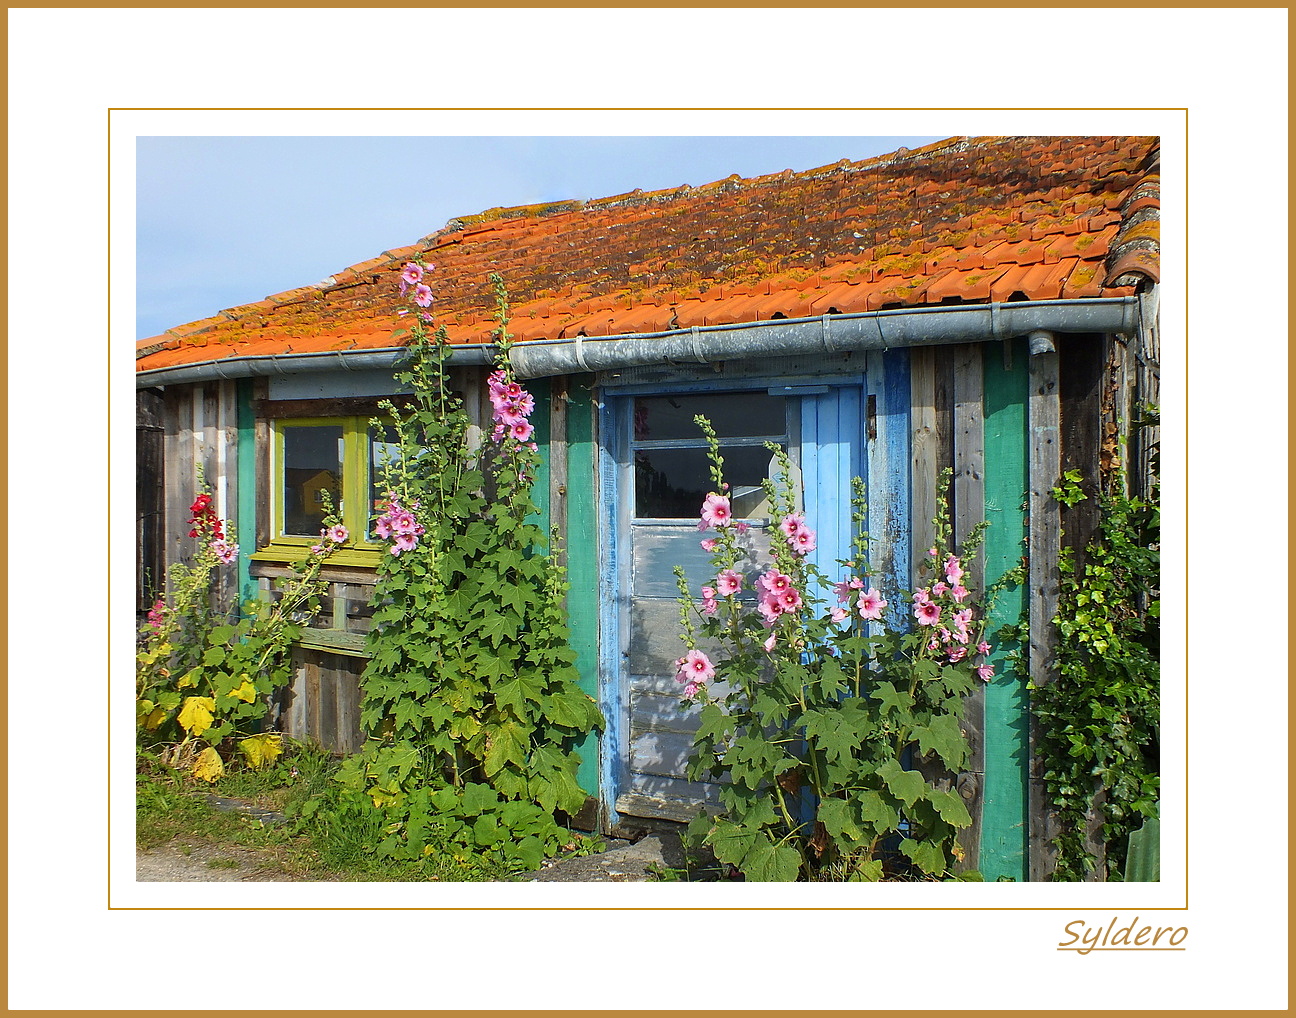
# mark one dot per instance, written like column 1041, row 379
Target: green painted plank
column 245, row 522
column 1003, row 816
column 582, row 559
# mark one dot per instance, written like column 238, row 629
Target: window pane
column 312, row 462
column 673, row 483
column 733, row 415
column 384, row 449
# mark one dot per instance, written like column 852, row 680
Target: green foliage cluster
column 470, row 697
column 816, row 739
column 204, row 676
column 1100, row 719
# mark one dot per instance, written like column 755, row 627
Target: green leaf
column 892, row 699
column 907, row 786
column 950, row 807
column 768, row 862
column 835, row 815
column 943, row 736
column 874, row 810
column 928, row 857
column 507, row 744
column 731, row 843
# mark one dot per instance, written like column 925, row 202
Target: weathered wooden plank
column 969, row 510
column 888, row 457
column 314, row 721
column 150, row 508
column 1080, row 370
column 661, row 712
column 1045, row 468
column 924, row 455
column 663, row 805
column 655, row 643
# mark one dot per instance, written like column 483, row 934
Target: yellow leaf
column 245, row 692
column 155, row 719
column 196, row 715
column 143, row 707
column 208, row 766
column 262, row 749
column 187, row 679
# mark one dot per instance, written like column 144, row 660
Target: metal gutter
column 869, row 330
column 386, row 358
column 829, row 334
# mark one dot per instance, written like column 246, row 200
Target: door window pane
column 312, row 462
column 733, row 415
column 673, row 483
column 384, row 449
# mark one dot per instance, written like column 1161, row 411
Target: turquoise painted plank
column 1004, row 810
column 582, row 562
column 831, row 433
column 246, row 502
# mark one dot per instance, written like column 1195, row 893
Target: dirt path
column 191, row 861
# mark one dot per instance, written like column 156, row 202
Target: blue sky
column 223, row 221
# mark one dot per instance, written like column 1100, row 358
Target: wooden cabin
column 986, row 305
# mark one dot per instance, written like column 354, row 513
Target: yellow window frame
column 360, row 550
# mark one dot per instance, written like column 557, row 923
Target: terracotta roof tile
column 968, row 219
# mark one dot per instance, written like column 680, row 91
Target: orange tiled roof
column 964, row 220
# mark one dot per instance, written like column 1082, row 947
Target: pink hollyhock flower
column 716, row 511
column 382, row 527
column 774, row 582
column 983, row 647
column 404, row 542
column 957, row 654
column 403, row 522
column 710, row 606
column 959, row 593
column 728, row 583
column 932, row 553
column 225, row 553
column 790, row 599
column 938, row 589
column 497, row 381
column 695, row 666
column 317, row 550
column 691, row 688
column 842, row 590
column 803, row 541
column 839, row 614
column 922, row 596
column 709, row 543
column 742, row 527
column 871, row 604
column 933, row 644
column 412, row 273
column 927, row 613
column 338, row 534
column 423, row 295
column 497, row 435
column 792, row 525
column 522, row 431
column 985, row 672
column 953, row 569
column 770, row 607
column 769, row 643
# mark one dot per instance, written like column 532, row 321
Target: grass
column 337, row 843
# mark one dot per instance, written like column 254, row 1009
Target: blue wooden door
column 655, row 478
